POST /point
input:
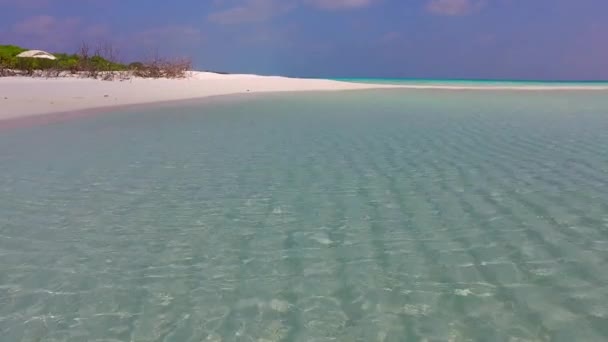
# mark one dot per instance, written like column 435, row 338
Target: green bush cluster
column 64, row 62
column 8, row 51
column 94, row 66
column 8, row 55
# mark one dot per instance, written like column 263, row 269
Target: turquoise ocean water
column 393, row 215
column 477, row 83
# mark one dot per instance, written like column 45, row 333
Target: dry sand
column 26, row 96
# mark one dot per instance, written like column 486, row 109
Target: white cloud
column 454, row 7
column 340, row 4
column 253, row 11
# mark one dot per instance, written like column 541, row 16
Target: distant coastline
column 481, row 84
column 22, row 96
column 474, row 80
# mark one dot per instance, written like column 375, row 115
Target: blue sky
column 512, row 39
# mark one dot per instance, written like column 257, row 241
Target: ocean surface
column 481, row 84
column 390, row 215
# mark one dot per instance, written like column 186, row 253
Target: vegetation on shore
column 100, row 62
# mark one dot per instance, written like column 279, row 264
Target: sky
column 482, row 39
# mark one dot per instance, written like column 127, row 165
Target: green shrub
column 68, row 64
column 7, row 51
column 102, row 63
column 7, row 56
column 9, row 62
column 136, row 66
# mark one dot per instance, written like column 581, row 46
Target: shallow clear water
column 478, row 83
column 356, row 216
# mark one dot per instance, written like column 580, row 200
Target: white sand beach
column 31, row 96
column 26, row 96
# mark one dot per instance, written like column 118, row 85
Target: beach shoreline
column 32, row 98
column 22, row 96
column 54, row 117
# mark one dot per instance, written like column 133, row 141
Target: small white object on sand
column 36, row 54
